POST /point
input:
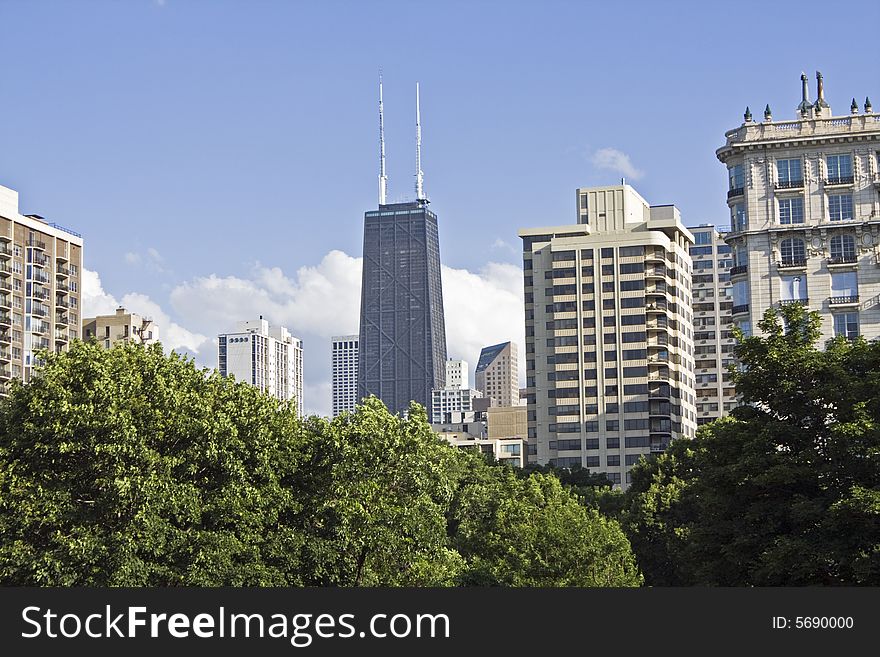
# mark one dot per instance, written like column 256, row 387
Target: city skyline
column 153, row 140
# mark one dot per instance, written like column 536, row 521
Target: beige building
column 609, row 343
column 803, row 197
column 510, row 426
column 497, row 374
column 120, row 327
column 40, row 285
column 713, row 335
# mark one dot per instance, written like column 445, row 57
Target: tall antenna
column 383, row 179
column 420, row 194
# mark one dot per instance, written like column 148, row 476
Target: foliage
column 785, row 492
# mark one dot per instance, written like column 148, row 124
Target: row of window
column 790, row 172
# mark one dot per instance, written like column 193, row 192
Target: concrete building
column 455, row 397
column 497, row 374
column 609, row 343
column 122, row 326
column 713, row 336
column 40, row 288
column 509, row 424
column 805, row 214
column 344, row 368
column 268, row 358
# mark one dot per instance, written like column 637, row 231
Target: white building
column 456, row 374
column 344, row 368
column 455, row 398
column 805, row 214
column 609, row 364
column 268, row 358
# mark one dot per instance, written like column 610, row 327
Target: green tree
column 787, row 490
column 127, row 467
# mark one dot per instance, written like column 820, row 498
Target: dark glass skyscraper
column 402, row 329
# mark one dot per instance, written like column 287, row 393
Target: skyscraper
column 344, row 366
column 402, row 330
column 40, row 288
column 804, row 208
column 609, row 365
column 267, row 358
column 497, row 374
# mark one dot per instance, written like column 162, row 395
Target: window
column 793, row 251
column 793, row 288
column 739, row 217
column 840, row 207
column 840, row 168
column 845, row 285
column 612, row 460
column 737, row 179
column 843, row 247
column 627, row 251
column 703, row 238
column 789, row 173
column 740, row 293
column 700, row 250
column 791, row 210
column 612, row 425
column 847, row 325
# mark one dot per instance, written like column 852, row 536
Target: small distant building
column 121, row 327
column 455, row 397
column 497, row 374
column 344, row 367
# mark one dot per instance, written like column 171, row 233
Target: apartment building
column 805, row 214
column 497, row 374
column 609, row 343
column 713, row 335
column 40, row 287
column 122, row 326
column 344, row 373
column 269, row 358
column 455, row 398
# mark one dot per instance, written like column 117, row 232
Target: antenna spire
column 420, row 177
column 383, row 179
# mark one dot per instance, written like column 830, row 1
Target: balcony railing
column 60, row 303
column 792, row 262
column 739, row 269
column 843, row 260
column 839, row 180
column 5, row 319
column 839, row 301
column 37, row 244
column 61, row 270
column 736, row 191
column 791, row 302
column 5, row 337
column 5, row 250
column 790, row 184
column 736, row 310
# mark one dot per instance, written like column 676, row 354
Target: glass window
column 703, row 238
column 793, row 251
column 740, row 293
column 840, row 168
column 843, row 247
column 735, row 174
column 789, row 173
column 793, row 288
column 840, row 207
column 700, row 250
column 845, row 284
column 739, row 217
column 847, row 325
column 791, row 210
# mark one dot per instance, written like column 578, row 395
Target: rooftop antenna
column 383, row 179
column 420, row 177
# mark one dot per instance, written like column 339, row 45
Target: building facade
column 609, row 343
column 40, row 288
column 344, row 369
column 805, row 215
column 122, row 326
column 268, row 358
column 455, row 398
column 402, row 328
column 497, row 374
column 713, row 334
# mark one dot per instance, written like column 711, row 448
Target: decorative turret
column 747, row 116
column 854, row 108
column 868, row 108
column 768, row 115
column 805, row 106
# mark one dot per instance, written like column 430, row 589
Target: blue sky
column 218, row 155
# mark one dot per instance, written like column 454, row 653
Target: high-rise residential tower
column 268, row 358
column 344, row 367
column 40, row 288
column 609, row 365
column 402, row 337
column 805, row 211
column 497, row 374
column 713, row 335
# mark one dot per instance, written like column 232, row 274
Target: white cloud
column 503, row 245
column 617, row 161
column 95, row 301
column 132, row 258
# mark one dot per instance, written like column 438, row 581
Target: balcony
column 5, row 286
column 736, row 191
column 850, row 300
column 41, row 277
column 42, row 343
column 789, row 184
column 656, row 272
column 656, row 307
column 792, row 263
column 740, row 310
column 61, row 287
column 40, row 311
column 61, row 256
column 42, row 295
column 655, row 256
column 41, row 260
column 739, row 269
column 60, row 303
column 5, row 337
column 37, row 244
column 6, row 302
column 5, row 319
column 5, row 355
column 5, row 268
column 5, row 374
column 793, row 302
column 843, row 260
column 5, row 251
column 61, row 270
column 61, row 336
column 62, row 319
column 839, row 180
